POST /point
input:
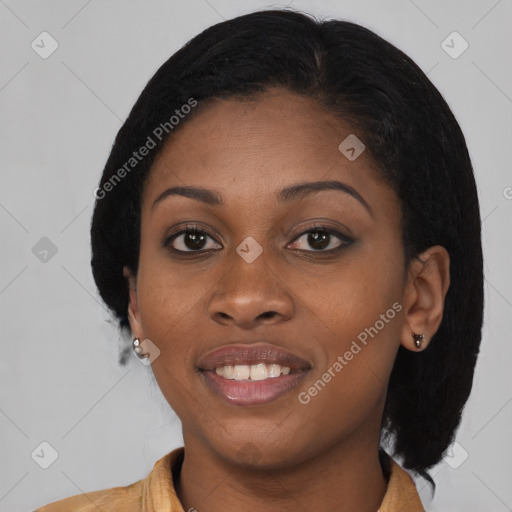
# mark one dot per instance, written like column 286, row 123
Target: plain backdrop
column 107, row 425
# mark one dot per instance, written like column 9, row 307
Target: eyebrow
column 200, row 194
column 286, row 195
column 302, row 190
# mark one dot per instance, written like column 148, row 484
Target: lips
column 249, row 392
column 243, row 354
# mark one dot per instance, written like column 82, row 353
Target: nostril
column 268, row 314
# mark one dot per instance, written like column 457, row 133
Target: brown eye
column 191, row 240
column 321, row 239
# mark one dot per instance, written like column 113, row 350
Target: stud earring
column 137, row 348
column 418, row 339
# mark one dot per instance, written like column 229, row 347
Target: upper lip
column 247, row 354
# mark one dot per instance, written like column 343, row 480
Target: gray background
column 60, row 381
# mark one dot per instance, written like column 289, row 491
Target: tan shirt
column 156, row 492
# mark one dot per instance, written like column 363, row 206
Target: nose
column 250, row 294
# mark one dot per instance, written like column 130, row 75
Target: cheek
column 169, row 308
column 169, row 303
column 357, row 316
column 346, row 299
column 166, row 292
column 362, row 334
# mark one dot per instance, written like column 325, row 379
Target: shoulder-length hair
column 410, row 134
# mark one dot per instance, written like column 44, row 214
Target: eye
column 191, row 239
column 322, row 239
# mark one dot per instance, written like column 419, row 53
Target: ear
column 427, row 284
column 133, row 308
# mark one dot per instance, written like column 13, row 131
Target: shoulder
column 156, row 492
column 401, row 492
column 116, row 499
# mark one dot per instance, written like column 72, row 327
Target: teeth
column 274, row 370
column 241, row 372
column 259, row 371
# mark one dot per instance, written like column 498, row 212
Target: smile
column 259, row 371
column 247, row 391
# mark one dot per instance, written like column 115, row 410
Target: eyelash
column 344, row 239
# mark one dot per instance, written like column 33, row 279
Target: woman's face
column 326, row 298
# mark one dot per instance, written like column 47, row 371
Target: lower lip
column 252, row 392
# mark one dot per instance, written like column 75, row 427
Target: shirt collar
column 159, row 491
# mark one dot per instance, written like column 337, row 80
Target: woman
column 288, row 227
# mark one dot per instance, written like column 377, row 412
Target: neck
column 344, row 478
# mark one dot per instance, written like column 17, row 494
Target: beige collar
column 159, row 487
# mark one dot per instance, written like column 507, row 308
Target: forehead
column 260, row 145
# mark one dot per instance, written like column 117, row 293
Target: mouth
column 252, row 374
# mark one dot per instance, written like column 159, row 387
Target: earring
column 137, row 348
column 418, row 339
